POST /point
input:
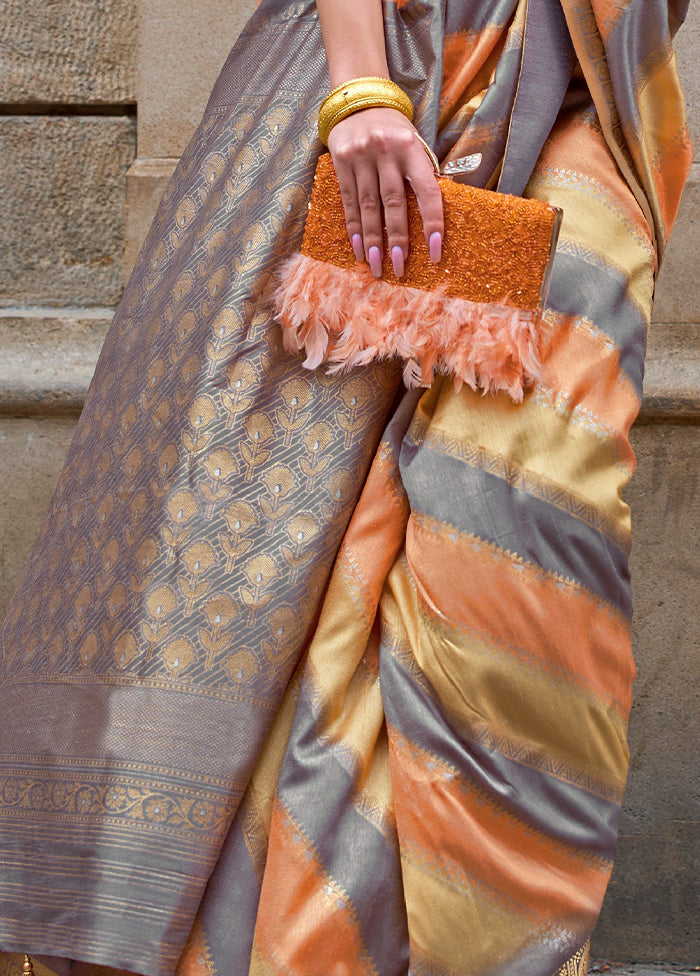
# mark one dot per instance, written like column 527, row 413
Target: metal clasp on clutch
column 465, row 164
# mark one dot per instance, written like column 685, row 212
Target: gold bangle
column 357, row 94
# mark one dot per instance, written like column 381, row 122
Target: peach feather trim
column 345, row 318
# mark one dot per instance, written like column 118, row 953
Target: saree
column 308, row 675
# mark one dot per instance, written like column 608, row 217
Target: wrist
column 340, row 73
column 358, row 94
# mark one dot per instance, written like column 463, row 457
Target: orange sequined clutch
column 476, row 315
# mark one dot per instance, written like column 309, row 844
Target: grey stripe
column 543, row 956
column 230, row 905
column 317, row 791
column 557, row 808
column 475, row 501
column 581, row 287
column 140, row 917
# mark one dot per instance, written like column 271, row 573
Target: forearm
column 353, row 35
column 375, row 150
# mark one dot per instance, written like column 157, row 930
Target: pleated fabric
column 307, row 675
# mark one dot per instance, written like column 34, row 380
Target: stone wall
column 79, row 182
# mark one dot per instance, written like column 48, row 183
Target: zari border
column 578, row 964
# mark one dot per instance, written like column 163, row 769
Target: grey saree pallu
column 309, row 675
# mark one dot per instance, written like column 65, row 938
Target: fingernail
column 435, row 247
column 374, row 256
column 357, row 247
column 397, row 260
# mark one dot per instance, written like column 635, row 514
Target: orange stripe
column 376, row 531
column 506, row 601
column 584, row 365
column 305, row 923
column 469, row 59
column 576, row 147
column 449, row 820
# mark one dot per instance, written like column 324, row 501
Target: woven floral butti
column 476, row 315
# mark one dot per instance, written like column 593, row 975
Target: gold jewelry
column 433, row 158
column 359, row 93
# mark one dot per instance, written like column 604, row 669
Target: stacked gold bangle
column 357, row 94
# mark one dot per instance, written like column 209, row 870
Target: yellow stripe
column 594, row 221
column 567, row 726
column 534, row 437
column 442, row 909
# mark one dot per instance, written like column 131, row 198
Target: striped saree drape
column 308, row 675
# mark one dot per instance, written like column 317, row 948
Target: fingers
column 429, row 198
column 375, row 153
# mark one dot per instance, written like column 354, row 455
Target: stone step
column 644, row 969
column 48, row 356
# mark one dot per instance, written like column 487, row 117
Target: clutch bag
column 477, row 315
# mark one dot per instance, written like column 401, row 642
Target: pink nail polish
column 358, row 247
column 397, row 260
column 435, row 247
column 374, row 256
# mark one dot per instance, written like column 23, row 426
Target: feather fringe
column 345, row 317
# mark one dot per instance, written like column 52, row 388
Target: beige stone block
column 31, row 458
column 672, row 374
column 687, row 46
column 68, row 51
column 651, row 909
column 62, row 186
column 47, row 362
column 145, row 184
column 678, row 287
column 183, row 47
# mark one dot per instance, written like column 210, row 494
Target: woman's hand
column 375, row 152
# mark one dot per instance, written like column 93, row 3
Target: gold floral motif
column 159, row 604
column 214, row 167
column 55, row 651
column 132, row 463
column 180, row 509
column 316, row 440
column 225, row 329
column 216, row 487
column 109, row 556
column 117, row 599
column 79, row 556
column 138, row 507
column 88, row 649
column 301, row 530
column 282, row 624
column 215, row 284
column 279, row 482
column 177, row 655
column 296, row 395
column 261, row 573
column 355, row 396
column 241, row 519
column 81, row 605
column 124, row 650
column 241, row 666
column 220, row 611
column 165, row 468
column 340, row 490
column 198, row 559
column 185, row 214
column 260, row 431
column 239, row 392
column 158, row 419
column 189, row 371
